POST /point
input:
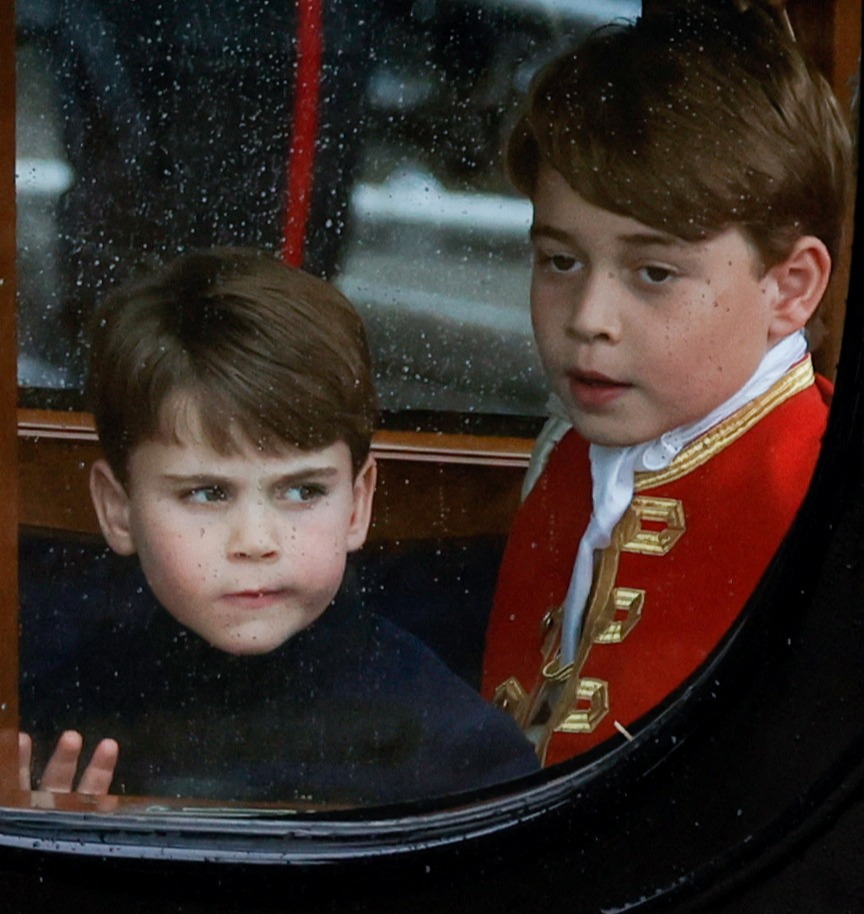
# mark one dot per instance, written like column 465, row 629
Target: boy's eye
column 205, row 495
column 564, row 263
column 558, row 263
column 656, row 276
column 303, row 492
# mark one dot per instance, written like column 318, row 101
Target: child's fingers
column 60, row 771
column 99, row 773
column 25, row 754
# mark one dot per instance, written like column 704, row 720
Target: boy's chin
column 254, row 639
column 250, row 648
column 617, row 432
column 606, row 435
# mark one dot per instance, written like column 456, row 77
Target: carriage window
column 366, row 148
column 362, row 141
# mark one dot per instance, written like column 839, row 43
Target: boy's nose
column 255, row 551
column 253, row 536
column 593, row 313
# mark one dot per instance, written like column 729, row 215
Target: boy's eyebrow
column 319, row 472
column 636, row 239
column 195, row 477
column 549, row 231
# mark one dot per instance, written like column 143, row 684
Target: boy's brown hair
column 264, row 353
column 692, row 121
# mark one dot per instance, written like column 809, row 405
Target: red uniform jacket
column 683, row 560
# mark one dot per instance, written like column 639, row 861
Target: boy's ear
column 801, row 280
column 112, row 508
column 364, row 492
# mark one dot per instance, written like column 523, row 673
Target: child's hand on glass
column 59, row 773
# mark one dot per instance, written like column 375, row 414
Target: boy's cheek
column 174, row 569
column 549, row 343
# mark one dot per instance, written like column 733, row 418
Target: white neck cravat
column 613, row 472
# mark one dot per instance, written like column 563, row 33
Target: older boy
column 688, row 175
column 235, row 408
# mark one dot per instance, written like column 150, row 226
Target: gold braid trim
column 798, row 378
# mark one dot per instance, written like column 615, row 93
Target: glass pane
column 69, row 586
column 145, row 133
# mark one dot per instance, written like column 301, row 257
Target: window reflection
column 143, row 133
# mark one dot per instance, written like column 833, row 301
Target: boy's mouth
column 592, row 390
column 254, row 599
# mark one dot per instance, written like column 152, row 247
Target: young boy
column 688, row 174
column 234, row 405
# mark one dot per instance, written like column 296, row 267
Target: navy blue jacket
column 352, row 710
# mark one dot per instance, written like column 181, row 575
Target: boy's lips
column 592, row 390
column 254, row 599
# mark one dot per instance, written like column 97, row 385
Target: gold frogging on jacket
column 562, row 701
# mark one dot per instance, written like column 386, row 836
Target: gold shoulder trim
column 798, row 378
